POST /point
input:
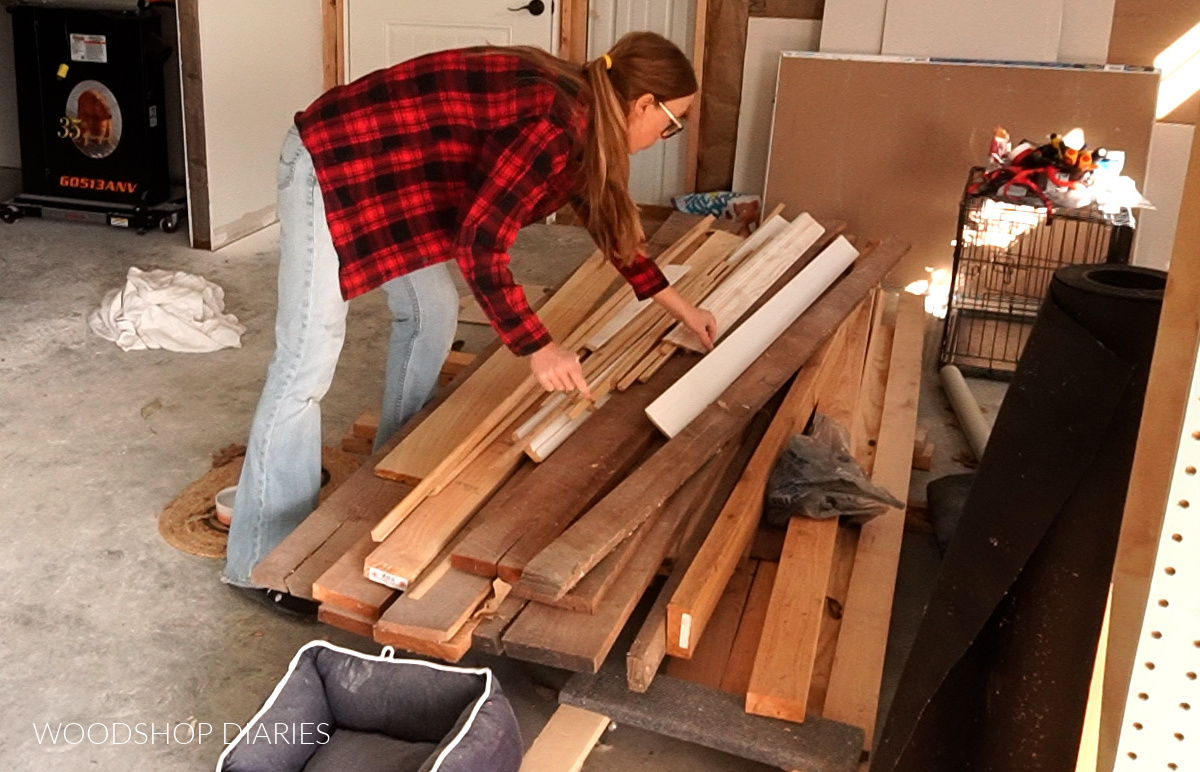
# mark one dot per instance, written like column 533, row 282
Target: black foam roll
column 999, row 673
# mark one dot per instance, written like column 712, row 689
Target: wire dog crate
column 1004, row 258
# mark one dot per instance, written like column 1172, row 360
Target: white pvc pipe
column 970, row 417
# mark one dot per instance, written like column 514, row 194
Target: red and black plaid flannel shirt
column 446, row 157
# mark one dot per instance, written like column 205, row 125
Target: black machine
column 91, row 114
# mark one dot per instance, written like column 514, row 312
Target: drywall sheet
column 765, row 38
column 258, row 70
column 1086, row 28
column 10, row 144
column 885, row 144
column 853, row 26
column 1143, row 30
column 1170, row 150
column 1012, row 30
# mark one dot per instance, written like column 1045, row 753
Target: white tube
column 970, row 417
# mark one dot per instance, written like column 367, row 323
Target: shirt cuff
column 644, row 276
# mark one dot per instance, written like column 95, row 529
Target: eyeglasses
column 675, row 126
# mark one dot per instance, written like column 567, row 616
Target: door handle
column 535, row 7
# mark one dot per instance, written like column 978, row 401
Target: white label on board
column 89, row 48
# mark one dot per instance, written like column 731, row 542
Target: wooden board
column 346, row 620
column 417, row 540
column 692, row 604
column 740, row 663
column 472, row 409
column 487, row 635
column 855, row 679
column 641, row 494
column 451, row 651
column 707, row 665
column 898, row 106
column 583, row 469
column 345, row 587
column 1141, row 30
column 649, row 648
column 440, row 612
column 783, row 666
column 565, row 741
column 580, row 642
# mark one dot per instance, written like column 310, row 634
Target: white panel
column 1161, row 729
column 1086, row 28
column 1022, row 30
column 660, row 172
column 1166, row 169
column 251, row 93
column 380, row 33
column 764, row 40
column 853, row 26
column 10, row 145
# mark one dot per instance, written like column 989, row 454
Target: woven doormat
column 189, row 523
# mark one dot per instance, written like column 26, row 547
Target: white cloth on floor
column 173, row 310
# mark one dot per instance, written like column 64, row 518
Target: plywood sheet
column 765, row 38
column 886, row 144
column 1143, row 29
column 1011, row 30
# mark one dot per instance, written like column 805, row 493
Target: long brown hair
column 640, row 63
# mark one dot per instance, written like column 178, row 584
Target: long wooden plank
column 565, row 742
column 649, row 648
column 440, row 612
column 451, row 651
column 416, row 541
column 582, row 470
column 486, row 638
column 346, row 620
column 707, row 665
column 783, row 666
column 858, row 664
column 560, row 566
column 345, row 587
column 831, row 617
column 693, row 602
column 740, row 664
column 580, row 642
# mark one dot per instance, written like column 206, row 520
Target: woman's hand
column 558, row 369
column 701, row 322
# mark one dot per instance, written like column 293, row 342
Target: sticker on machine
column 89, row 48
column 93, row 119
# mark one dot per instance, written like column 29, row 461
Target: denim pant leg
column 281, row 477
column 424, row 306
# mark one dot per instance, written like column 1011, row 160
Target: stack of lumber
column 532, row 525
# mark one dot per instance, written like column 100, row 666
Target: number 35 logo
column 69, row 128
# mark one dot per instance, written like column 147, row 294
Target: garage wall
column 260, row 63
column 10, row 149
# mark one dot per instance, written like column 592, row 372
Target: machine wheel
column 11, row 214
column 170, row 223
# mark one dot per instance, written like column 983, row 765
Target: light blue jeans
column 281, row 477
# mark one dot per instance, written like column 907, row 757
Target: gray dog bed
column 337, row 710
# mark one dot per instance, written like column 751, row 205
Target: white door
column 660, row 172
column 380, row 33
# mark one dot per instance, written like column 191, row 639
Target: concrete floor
column 102, row 622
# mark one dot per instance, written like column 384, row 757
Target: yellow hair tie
column 607, row 62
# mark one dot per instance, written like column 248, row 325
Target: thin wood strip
column 858, row 664
column 595, row 534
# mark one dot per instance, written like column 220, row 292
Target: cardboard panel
column 886, row 144
column 1143, row 29
column 765, row 38
column 1015, row 30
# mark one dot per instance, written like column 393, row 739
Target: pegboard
column 1161, row 729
